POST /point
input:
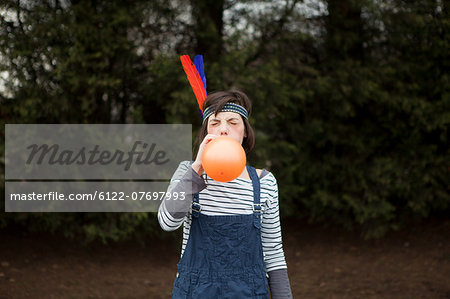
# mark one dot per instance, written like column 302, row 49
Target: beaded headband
column 228, row 107
column 196, row 75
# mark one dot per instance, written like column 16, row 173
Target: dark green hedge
column 351, row 105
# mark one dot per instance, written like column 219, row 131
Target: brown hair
column 218, row 100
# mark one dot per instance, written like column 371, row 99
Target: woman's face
column 227, row 124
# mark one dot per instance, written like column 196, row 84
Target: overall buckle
column 257, row 207
column 196, row 207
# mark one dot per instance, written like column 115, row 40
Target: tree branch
column 268, row 35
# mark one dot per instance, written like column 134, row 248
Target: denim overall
column 223, row 257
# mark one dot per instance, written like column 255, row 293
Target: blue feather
column 198, row 62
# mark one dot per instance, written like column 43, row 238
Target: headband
column 196, row 75
column 228, row 107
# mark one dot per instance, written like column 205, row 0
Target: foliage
column 351, row 98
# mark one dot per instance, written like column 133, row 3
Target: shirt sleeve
column 172, row 211
column 280, row 287
column 271, row 229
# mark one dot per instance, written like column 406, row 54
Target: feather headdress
column 196, row 75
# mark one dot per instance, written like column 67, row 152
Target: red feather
column 194, row 79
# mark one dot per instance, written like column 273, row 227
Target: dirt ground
column 322, row 262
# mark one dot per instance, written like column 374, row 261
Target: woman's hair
column 218, row 100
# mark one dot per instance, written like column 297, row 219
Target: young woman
column 232, row 245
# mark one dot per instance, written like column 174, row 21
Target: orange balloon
column 223, row 159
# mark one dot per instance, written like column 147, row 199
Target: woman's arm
column 272, row 243
column 279, row 284
column 186, row 179
column 171, row 212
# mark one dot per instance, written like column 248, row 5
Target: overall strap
column 256, row 196
column 196, row 207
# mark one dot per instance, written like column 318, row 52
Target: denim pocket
column 228, row 234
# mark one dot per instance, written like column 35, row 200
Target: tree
column 82, row 62
column 350, row 98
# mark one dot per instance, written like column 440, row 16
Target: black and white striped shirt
column 229, row 198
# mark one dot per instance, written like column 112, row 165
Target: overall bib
column 223, row 257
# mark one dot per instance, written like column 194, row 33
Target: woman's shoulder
column 268, row 183
column 259, row 172
column 266, row 175
column 185, row 164
column 182, row 168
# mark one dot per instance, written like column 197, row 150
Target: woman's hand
column 197, row 165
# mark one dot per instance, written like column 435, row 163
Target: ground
column 323, row 263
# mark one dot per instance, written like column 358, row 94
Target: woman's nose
column 223, row 129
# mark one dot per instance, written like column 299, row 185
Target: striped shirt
column 231, row 198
